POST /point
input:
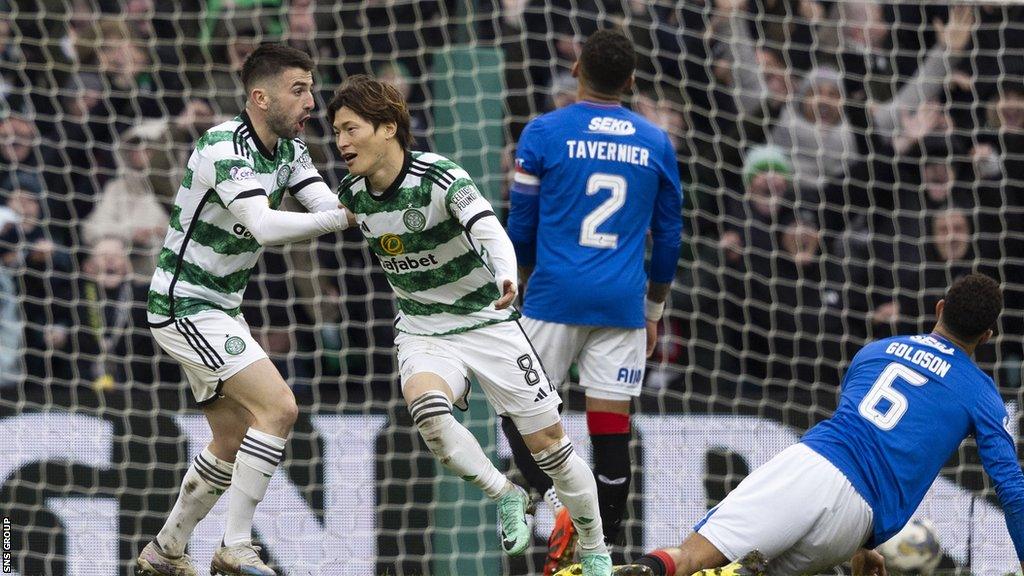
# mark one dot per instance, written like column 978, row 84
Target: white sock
column 576, row 488
column 454, row 446
column 207, row 478
column 551, row 497
column 255, row 464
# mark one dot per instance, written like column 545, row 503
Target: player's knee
column 540, row 431
column 279, row 415
column 289, row 411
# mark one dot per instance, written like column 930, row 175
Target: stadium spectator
column 132, row 87
column 767, row 177
column 793, row 313
column 128, row 208
column 397, row 74
column 19, row 156
column 261, row 14
column 12, row 327
column 762, row 81
column 9, row 56
column 998, row 158
column 946, row 255
column 817, row 129
column 42, row 271
column 112, row 345
column 815, row 132
column 880, row 53
column 233, row 41
column 379, row 29
column 563, row 91
column 786, row 293
column 300, row 30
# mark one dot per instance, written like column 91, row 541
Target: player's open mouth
column 349, row 157
column 302, row 122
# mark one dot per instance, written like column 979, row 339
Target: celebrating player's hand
column 508, row 294
column 868, row 563
column 351, row 217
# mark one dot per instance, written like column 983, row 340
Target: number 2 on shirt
column 589, row 236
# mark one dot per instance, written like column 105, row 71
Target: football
column 913, row 550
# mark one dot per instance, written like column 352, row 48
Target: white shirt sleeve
column 272, row 227
column 488, row 231
column 316, row 197
column 474, row 212
column 306, row 184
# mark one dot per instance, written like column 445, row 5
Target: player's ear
column 939, row 307
column 985, row 337
column 258, row 96
column 575, row 71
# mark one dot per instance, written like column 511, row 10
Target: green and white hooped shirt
column 418, row 228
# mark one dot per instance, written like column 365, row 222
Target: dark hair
column 270, row 60
column 973, row 304
column 375, row 101
column 607, row 61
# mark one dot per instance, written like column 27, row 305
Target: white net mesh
column 902, row 126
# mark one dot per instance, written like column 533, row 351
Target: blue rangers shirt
column 907, row 403
column 591, row 180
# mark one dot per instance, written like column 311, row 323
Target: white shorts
column 611, row 360
column 499, row 356
column 211, row 347
column 798, row 509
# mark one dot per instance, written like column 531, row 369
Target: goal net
column 843, row 161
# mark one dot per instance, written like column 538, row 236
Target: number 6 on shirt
column 883, row 389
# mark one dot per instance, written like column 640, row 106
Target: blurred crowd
column 843, row 161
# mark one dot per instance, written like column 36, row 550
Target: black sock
column 521, row 455
column 612, row 472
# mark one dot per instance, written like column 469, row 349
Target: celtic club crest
column 234, row 345
column 414, row 220
column 283, row 174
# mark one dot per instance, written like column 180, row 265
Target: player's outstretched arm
column 272, row 227
column 998, row 453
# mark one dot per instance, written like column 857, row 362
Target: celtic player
column 453, row 270
column 224, row 213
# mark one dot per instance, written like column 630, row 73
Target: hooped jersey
column 208, row 255
column 419, row 230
